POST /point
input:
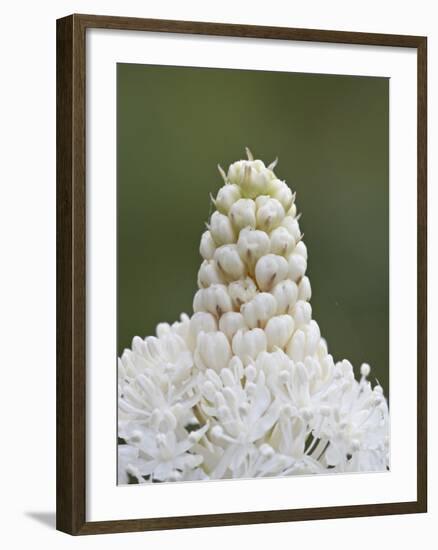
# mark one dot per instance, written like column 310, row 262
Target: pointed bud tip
column 249, row 154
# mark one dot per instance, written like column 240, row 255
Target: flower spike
column 245, row 386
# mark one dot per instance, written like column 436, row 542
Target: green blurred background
column 331, row 134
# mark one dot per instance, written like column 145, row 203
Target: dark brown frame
column 71, row 266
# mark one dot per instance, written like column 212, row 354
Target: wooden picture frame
column 71, row 273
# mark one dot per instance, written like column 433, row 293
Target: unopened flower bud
column 293, row 211
column 236, row 171
column 281, row 191
column 221, row 229
column 198, row 300
column 313, row 335
column 285, row 294
column 297, row 267
column 295, row 348
column 201, row 322
column 347, row 369
column 255, row 182
column 231, row 322
column 137, row 345
column 212, row 351
column 247, row 345
column 302, row 313
column 282, row 242
column 270, row 270
column 226, row 197
column 162, row 329
column 229, row 262
column 242, row 291
column 278, row 331
column 214, row 299
column 209, row 274
column 270, row 215
column 261, row 308
column 291, row 224
column 304, row 289
column 252, row 177
column 301, row 249
column 252, row 245
column 207, row 246
column 243, row 214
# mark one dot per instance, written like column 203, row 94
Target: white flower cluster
column 246, row 386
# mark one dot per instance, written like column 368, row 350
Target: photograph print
column 252, row 274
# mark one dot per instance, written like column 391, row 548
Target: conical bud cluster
column 252, row 283
column 246, row 386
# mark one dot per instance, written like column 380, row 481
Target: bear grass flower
column 246, row 387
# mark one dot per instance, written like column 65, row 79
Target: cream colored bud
column 270, row 215
column 201, row 322
column 291, row 224
column 252, row 245
column 243, row 214
column 212, row 351
column 293, row 211
column 221, row 229
column 207, row 246
column 302, row 313
column 252, row 177
column 313, row 336
column 278, row 331
column 297, row 267
column 281, row 191
column 301, row 249
column 226, row 197
column 304, row 289
column 255, row 182
column 231, row 322
column 229, row 262
column 259, row 310
column 261, row 200
column 214, row 299
column 249, row 175
column 270, row 270
column 282, row 242
column 259, row 166
column 286, row 295
column 242, row 291
column 209, row 274
column 247, row 345
column 322, row 349
column 198, row 300
column 236, row 171
column 296, row 346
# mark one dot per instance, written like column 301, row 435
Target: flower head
column 246, row 387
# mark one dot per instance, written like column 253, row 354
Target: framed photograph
column 241, row 274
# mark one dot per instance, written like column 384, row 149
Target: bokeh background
column 331, row 134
